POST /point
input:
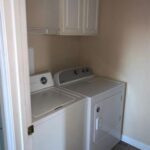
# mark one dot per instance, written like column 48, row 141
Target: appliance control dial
column 98, row 109
column 43, row 80
column 83, row 70
column 87, row 69
column 75, row 72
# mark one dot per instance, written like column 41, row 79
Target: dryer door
column 108, row 120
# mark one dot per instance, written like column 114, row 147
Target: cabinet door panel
column 72, row 16
column 90, row 24
column 52, row 15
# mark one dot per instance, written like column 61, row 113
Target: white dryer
column 106, row 98
column 59, row 117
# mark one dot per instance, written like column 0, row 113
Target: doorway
column 1, row 124
column 15, row 98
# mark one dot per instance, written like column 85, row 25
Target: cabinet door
column 43, row 16
column 90, row 16
column 36, row 13
column 108, row 120
column 71, row 17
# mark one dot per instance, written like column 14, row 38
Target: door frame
column 16, row 106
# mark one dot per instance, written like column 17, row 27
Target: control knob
column 43, row 80
column 75, row 72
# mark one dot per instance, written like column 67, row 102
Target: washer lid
column 49, row 100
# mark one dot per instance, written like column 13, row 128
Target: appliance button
column 43, row 80
column 87, row 69
column 83, row 70
column 98, row 109
column 75, row 72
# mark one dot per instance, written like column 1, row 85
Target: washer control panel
column 41, row 81
column 73, row 74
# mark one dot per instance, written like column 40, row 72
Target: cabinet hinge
column 31, row 130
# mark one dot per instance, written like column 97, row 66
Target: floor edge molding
column 135, row 143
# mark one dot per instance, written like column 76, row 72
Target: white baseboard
column 135, row 143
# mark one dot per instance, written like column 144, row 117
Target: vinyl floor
column 124, row 146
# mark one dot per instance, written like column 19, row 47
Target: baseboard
column 135, row 143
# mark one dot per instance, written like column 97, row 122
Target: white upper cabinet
column 63, row 17
column 90, row 16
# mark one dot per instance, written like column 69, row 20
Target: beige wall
column 53, row 53
column 122, row 51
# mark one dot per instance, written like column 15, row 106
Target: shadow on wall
column 121, row 51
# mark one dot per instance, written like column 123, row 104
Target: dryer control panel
column 72, row 75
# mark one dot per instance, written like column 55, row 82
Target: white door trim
column 15, row 75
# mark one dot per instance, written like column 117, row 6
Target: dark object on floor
column 124, row 146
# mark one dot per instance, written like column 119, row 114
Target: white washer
column 106, row 98
column 59, row 117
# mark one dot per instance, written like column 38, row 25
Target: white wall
column 122, row 51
